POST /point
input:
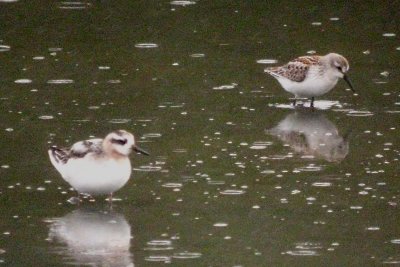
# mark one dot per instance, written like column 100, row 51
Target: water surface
column 236, row 176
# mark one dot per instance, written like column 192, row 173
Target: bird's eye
column 119, row 141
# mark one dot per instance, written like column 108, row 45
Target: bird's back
column 60, row 157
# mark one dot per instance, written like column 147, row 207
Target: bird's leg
column 294, row 102
column 110, row 202
column 312, row 102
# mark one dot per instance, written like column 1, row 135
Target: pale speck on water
column 226, row 87
column 322, row 184
column 23, row 81
column 60, row 81
column 389, row 34
column 172, row 185
column 187, row 255
column 119, row 121
column 146, row 45
column 5, row 48
column 232, row 192
column 267, row 61
column 46, row 117
column 182, row 3
column 220, row 224
column 198, row 55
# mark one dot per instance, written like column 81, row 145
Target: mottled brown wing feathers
column 296, row 70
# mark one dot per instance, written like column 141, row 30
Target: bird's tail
column 272, row 71
column 57, row 155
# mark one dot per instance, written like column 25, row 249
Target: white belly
column 310, row 87
column 97, row 177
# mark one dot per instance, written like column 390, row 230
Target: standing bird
column 96, row 166
column 311, row 76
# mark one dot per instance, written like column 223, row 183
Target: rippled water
column 237, row 176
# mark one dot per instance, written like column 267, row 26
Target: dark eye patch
column 119, row 141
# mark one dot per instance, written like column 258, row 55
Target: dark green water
column 236, row 177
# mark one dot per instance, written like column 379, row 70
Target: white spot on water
column 182, row 3
column 267, row 61
column 322, row 184
column 232, row 192
column 146, row 45
column 197, row 55
column 4, row 48
column 119, row 121
column 23, row 81
column 220, row 224
column 389, row 34
column 60, row 81
column 172, row 185
column 46, row 117
column 225, row 87
column 187, row 255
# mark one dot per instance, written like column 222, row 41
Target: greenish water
column 236, row 177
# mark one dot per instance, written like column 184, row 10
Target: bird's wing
column 296, row 70
column 60, row 156
column 82, row 148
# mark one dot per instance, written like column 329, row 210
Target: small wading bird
column 311, row 76
column 96, row 166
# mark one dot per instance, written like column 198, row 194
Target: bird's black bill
column 348, row 82
column 141, row 151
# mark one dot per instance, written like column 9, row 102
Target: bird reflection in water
column 94, row 238
column 312, row 134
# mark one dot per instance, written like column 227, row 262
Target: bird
column 92, row 237
column 97, row 166
column 311, row 76
column 312, row 134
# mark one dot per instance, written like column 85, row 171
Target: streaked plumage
column 96, row 166
column 311, row 76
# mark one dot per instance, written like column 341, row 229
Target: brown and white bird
column 96, row 166
column 311, row 76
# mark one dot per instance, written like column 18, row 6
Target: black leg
column 110, row 202
column 312, row 102
column 294, row 102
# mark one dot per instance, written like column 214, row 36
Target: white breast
column 97, row 176
column 313, row 85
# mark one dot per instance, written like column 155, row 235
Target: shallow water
column 236, row 176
